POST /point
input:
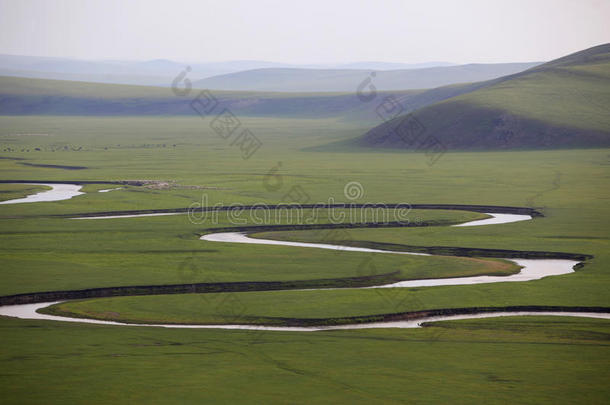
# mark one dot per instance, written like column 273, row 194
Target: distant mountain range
column 158, row 72
column 564, row 103
column 348, row 80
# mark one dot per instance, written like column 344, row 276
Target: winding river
column 531, row 269
column 29, row 311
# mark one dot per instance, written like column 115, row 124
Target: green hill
column 21, row 96
column 347, row 80
column 562, row 103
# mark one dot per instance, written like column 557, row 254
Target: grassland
column 533, row 360
column 517, row 360
column 14, row 191
column 166, row 250
column 575, row 218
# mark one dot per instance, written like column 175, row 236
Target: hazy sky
column 307, row 31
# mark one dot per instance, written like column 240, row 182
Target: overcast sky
column 307, row 31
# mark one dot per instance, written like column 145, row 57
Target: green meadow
column 14, row 191
column 517, row 359
column 527, row 360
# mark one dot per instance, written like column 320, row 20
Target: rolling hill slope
column 157, row 72
column 19, row 96
column 348, row 80
column 562, row 103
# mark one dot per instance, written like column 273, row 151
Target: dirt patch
column 110, row 314
column 152, row 184
column 164, row 185
column 494, row 266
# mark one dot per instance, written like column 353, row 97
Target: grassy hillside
column 563, row 103
column 281, row 79
column 19, row 96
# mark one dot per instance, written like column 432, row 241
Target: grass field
column 533, row 360
column 517, row 360
column 15, row 191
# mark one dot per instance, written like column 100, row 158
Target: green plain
column 522, row 360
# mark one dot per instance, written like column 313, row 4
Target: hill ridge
column 562, row 103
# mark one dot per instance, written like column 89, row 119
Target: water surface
column 58, row 192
